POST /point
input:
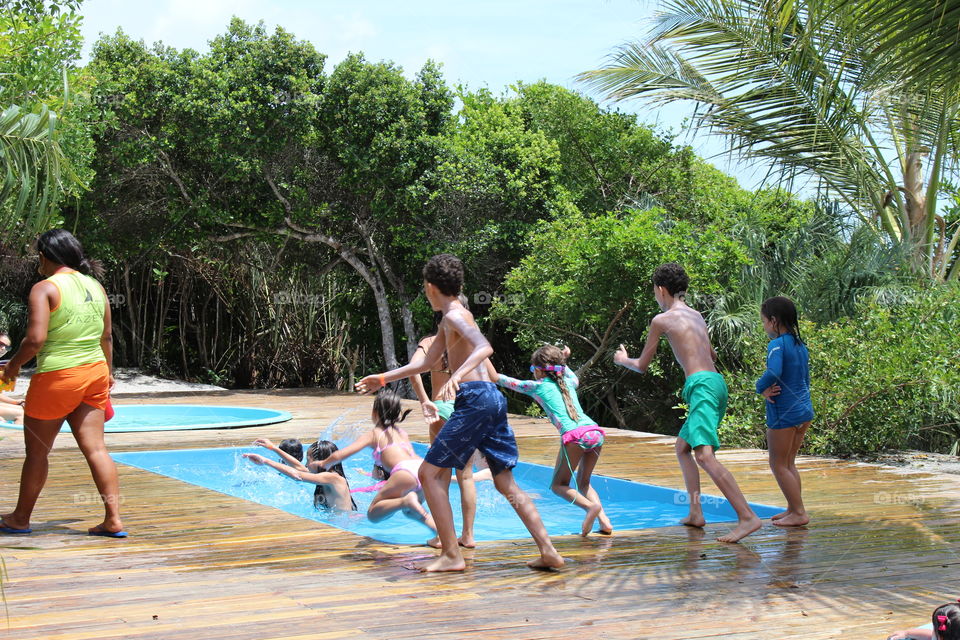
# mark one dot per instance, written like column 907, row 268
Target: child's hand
column 621, row 357
column 370, row 384
column 265, row 443
column 430, row 413
column 318, row 466
column 449, row 390
column 566, row 352
column 255, row 458
column 771, row 392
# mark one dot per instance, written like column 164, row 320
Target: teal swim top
column 548, row 395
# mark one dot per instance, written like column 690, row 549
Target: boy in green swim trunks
column 705, row 393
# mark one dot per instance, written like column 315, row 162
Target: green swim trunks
column 444, row 408
column 705, row 393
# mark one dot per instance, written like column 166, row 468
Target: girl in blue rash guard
column 554, row 388
column 786, row 386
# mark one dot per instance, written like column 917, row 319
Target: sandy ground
column 130, row 381
column 921, row 461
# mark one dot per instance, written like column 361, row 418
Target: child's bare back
column 460, row 336
column 686, row 331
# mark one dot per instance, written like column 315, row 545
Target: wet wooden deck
column 881, row 553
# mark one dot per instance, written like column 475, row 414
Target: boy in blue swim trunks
column 704, row 392
column 478, row 422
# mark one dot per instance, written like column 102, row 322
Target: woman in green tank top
column 69, row 333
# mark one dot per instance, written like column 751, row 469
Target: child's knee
column 504, row 483
column 704, row 456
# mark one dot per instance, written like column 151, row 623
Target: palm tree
column 33, row 168
column 805, row 86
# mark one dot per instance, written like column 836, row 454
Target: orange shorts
column 55, row 394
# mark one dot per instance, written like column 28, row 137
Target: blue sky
column 493, row 43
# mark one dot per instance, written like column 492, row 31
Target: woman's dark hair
column 387, row 407
column 672, row 277
column 445, row 271
column 946, row 621
column 784, row 312
column 321, row 450
column 60, row 246
column 292, row 447
column 380, row 473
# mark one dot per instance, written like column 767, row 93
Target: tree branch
column 604, row 341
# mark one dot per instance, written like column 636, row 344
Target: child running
column 479, row 421
column 704, row 392
column 333, row 490
column 555, row 389
column 437, row 411
column 391, row 449
column 786, row 386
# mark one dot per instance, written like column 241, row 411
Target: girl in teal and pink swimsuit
column 554, row 388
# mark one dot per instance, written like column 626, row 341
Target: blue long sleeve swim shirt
column 788, row 365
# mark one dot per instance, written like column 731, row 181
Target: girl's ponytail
column 567, row 399
column 388, row 409
column 946, row 621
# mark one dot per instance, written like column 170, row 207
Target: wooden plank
column 882, row 543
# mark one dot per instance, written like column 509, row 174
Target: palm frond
column 34, row 168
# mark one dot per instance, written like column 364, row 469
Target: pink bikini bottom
column 588, row 437
column 411, row 466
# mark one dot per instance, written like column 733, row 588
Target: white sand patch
column 130, row 381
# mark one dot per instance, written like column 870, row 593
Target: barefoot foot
column 693, row 520
column 742, row 530
column 444, row 563
column 792, row 520
column 592, row 513
column 434, row 542
column 549, row 561
column 467, row 542
column 782, row 514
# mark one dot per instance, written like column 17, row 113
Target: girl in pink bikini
column 391, row 450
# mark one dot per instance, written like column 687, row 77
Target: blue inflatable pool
column 630, row 505
column 174, row 417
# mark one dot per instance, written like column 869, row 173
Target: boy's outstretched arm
column 369, row 384
column 646, row 356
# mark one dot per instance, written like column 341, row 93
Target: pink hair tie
column 943, row 623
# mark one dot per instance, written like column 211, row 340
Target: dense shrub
column 885, row 378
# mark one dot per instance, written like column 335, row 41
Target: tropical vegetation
column 263, row 215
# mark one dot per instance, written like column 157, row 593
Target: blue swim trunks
column 479, row 422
